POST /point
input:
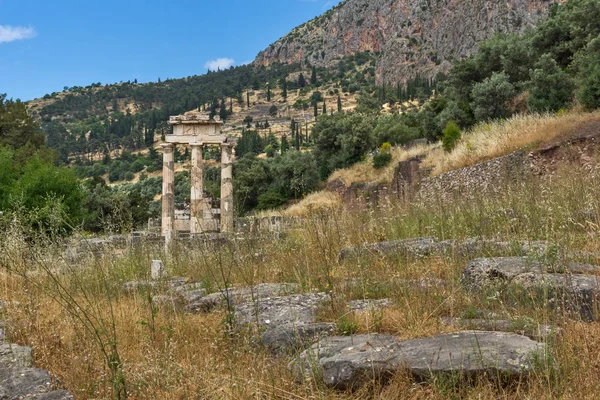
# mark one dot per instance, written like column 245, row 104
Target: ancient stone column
column 168, row 191
column 197, row 193
column 226, row 188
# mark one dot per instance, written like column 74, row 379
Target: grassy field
column 100, row 342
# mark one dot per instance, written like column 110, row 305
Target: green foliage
column 451, row 136
column 381, row 159
column 17, row 127
column 341, row 140
column 550, row 88
column 270, row 200
column 43, row 185
column 587, row 66
column 396, row 129
column 492, row 97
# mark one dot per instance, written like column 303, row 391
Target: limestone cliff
column 408, row 36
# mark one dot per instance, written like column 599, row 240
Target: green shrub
column 270, row 200
column 451, row 136
column 381, row 159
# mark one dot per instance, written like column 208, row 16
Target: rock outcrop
column 410, row 37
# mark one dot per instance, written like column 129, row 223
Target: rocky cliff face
column 409, row 36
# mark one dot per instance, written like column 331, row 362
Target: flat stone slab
column 525, row 328
column 368, row 305
column 349, row 361
column 565, row 284
column 275, row 311
column 292, row 337
column 238, row 295
column 29, row 383
column 12, row 355
column 428, row 246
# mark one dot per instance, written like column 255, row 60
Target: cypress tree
column 301, row 80
column 313, row 77
column 297, row 141
column 339, row 103
column 316, row 110
column 268, row 92
column 285, row 145
column 324, row 107
column 284, row 90
column 248, row 98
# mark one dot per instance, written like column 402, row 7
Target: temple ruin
column 196, row 130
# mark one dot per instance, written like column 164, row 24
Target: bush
column 491, row 98
column 270, row 200
column 451, row 136
column 382, row 159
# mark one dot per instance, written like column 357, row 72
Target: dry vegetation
column 487, row 141
column 77, row 319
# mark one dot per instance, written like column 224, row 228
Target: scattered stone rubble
column 284, row 320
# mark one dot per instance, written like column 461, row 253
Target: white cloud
column 11, row 33
column 219, row 63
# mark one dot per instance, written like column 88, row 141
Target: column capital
column 197, row 144
column 167, row 146
column 226, row 145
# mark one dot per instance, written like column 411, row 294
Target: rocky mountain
column 410, row 37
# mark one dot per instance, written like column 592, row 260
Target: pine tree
column 339, row 103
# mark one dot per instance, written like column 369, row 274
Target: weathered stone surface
column 411, row 37
column 12, row 355
column 172, row 284
column 269, row 312
column 368, row 305
column 28, row 383
column 56, row 395
column 421, row 247
column 525, row 328
column 565, row 287
column 239, row 295
column 346, row 362
column 483, row 272
column 417, row 246
column 292, row 337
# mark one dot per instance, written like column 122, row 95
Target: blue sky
column 48, row 44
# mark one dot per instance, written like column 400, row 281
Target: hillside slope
column 411, row 36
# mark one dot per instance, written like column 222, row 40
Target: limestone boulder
column 12, row 355
column 29, row 383
column 566, row 284
column 348, row 361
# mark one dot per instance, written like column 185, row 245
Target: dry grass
column 314, row 202
column 168, row 354
column 364, row 171
column 487, row 141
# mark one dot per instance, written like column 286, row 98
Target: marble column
column 226, row 188
column 168, row 191
column 197, row 193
